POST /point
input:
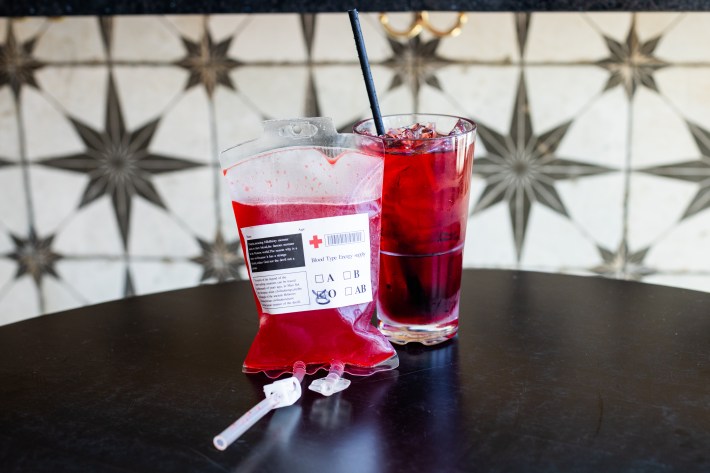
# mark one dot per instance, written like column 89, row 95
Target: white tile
column 9, row 134
column 90, row 231
column 6, row 246
column 270, row 37
column 18, row 301
column 694, row 282
column 28, row 28
column 48, row 133
column 687, row 39
column 13, row 211
column 484, row 37
column 236, row 120
column 553, row 241
column 433, row 100
column 8, row 267
column 59, row 296
column 558, row 94
column 688, row 89
column 478, row 183
column 79, row 90
column 399, row 100
column 154, row 232
column 71, row 39
column 333, row 39
column 596, row 204
column 685, row 247
column 659, row 135
column 654, row 24
column 56, row 195
column 563, row 37
column 489, row 235
column 191, row 27
column 612, row 25
column 599, row 133
column 151, row 277
column 344, row 108
column 145, row 38
column 223, row 25
column 480, row 151
column 146, row 92
column 184, row 130
column 656, row 204
column 190, row 196
column 278, row 92
column 486, row 93
column 95, row 280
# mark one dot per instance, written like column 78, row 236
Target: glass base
column 433, row 334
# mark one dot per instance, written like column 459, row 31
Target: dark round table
column 549, row 373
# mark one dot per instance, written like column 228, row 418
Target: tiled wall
column 593, row 154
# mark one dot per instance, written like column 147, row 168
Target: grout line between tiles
column 29, row 201
column 627, row 181
column 24, row 164
column 337, row 63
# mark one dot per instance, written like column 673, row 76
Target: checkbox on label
column 347, row 275
column 348, row 291
column 319, row 278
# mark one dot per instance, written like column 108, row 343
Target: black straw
column 366, row 73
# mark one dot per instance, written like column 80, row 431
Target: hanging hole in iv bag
column 299, row 130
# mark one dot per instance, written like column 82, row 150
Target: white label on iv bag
column 322, row 263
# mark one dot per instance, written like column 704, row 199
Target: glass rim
column 474, row 125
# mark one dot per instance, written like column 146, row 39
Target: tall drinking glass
column 424, row 214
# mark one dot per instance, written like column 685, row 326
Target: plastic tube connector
column 281, row 393
column 333, row 383
column 284, row 392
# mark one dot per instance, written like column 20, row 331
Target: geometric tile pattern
column 593, row 152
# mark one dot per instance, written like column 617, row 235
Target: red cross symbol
column 315, row 241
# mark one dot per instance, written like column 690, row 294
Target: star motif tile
column 129, row 289
column 697, row 171
column 522, row 28
column 17, row 64
column 632, row 64
column 118, row 162
column 220, row 260
column 521, row 167
column 622, row 263
column 312, row 105
column 208, row 63
column 34, row 256
column 414, row 63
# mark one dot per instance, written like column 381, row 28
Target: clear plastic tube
column 281, row 393
column 333, row 382
column 244, row 423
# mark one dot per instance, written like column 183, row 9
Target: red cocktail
column 425, row 209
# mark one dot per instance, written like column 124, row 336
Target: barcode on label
column 334, row 239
